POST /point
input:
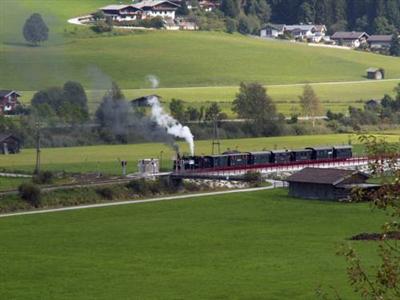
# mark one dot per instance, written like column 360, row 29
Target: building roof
column 4, row 136
column 5, row 93
column 152, row 3
column 115, row 7
column 348, row 35
column 278, row 27
column 372, row 70
column 380, row 38
column 322, row 175
column 300, row 27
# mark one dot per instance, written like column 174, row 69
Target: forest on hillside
column 373, row 16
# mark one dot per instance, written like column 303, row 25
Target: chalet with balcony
column 157, row 8
column 8, row 101
column 122, row 12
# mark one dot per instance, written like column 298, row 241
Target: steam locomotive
column 238, row 159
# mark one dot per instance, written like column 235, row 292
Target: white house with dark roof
column 122, row 12
column 312, row 32
column 141, row 10
column 352, row 39
column 157, row 8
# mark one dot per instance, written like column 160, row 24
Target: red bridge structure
column 234, row 172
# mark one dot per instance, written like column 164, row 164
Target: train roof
column 261, row 152
column 320, row 148
column 343, row 147
column 281, row 151
column 302, row 150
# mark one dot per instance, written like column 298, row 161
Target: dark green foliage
column 30, row 193
column 395, row 45
column 98, row 15
column 183, row 9
column 68, row 104
column 101, row 26
column 231, row 25
column 35, row 29
column 230, row 8
column 253, row 178
column 139, row 186
column 44, row 177
column 213, row 112
column 105, row 192
column 177, row 109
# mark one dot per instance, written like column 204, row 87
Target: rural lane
column 275, row 184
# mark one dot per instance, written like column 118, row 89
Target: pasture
column 106, row 158
column 178, row 59
column 334, row 96
column 260, row 245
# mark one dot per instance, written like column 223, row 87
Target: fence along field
column 105, row 159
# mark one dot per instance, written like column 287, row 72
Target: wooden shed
column 9, row 144
column 375, row 73
column 325, row 183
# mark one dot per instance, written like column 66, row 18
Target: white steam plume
column 154, row 81
column 173, row 126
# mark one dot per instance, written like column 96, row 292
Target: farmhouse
column 141, row 10
column 375, row 73
column 326, row 184
column 9, row 144
column 122, row 12
column 311, row 32
column 379, row 41
column 8, row 101
column 351, row 39
column 157, row 8
column 272, row 30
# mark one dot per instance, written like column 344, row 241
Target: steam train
column 238, row 159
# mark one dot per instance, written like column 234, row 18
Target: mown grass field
column 106, row 158
column 179, row 59
column 261, row 245
column 10, row 183
column 336, row 97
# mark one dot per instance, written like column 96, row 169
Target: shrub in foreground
column 30, row 193
column 44, row 177
column 106, row 192
column 253, row 178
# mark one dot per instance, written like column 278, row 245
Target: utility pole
column 38, row 150
column 216, row 145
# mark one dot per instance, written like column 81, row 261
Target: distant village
column 318, row 34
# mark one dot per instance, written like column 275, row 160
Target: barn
column 325, row 183
column 9, row 144
column 375, row 73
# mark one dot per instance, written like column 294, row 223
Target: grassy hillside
column 336, row 97
column 106, row 158
column 177, row 58
column 261, row 245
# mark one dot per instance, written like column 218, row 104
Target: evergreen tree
column 183, row 9
column 35, row 30
column 381, row 25
column 230, row 8
column 306, row 13
column 395, row 45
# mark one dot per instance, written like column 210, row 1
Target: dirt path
column 169, row 198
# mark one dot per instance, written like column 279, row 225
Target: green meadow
column 260, row 245
column 334, row 96
column 106, row 158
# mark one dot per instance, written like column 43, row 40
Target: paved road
column 178, row 197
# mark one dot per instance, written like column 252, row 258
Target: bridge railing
column 356, row 160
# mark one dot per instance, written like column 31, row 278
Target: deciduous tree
column 35, row 30
column 310, row 103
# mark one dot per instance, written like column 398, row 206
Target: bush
column 45, row 177
column 30, row 193
column 253, row 178
column 101, row 26
column 139, row 186
column 105, row 192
